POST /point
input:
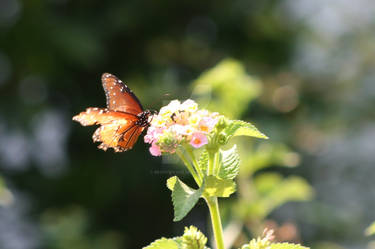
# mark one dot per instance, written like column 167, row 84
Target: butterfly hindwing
column 115, row 136
column 130, row 137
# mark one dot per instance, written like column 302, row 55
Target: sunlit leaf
column 219, row 187
column 163, row 243
column 242, row 128
column 6, row 197
column 274, row 190
column 230, row 162
column 291, row 188
column 328, row 245
column 226, row 88
column 203, row 160
column 171, row 182
column 191, row 239
column 370, row 230
column 268, row 155
column 286, row 246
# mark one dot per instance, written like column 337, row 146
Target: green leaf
column 370, row 230
column 274, row 190
column 242, row 128
column 163, row 243
column 6, row 196
column 232, row 87
column 171, row 182
column 184, row 198
column 290, row 188
column 203, row 161
column 191, row 239
column 219, row 187
column 268, row 155
column 286, row 246
column 230, row 163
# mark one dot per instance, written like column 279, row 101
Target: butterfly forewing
column 119, row 96
column 94, row 115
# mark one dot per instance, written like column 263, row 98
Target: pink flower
column 152, row 134
column 198, row 140
column 206, row 124
column 177, row 124
column 148, row 139
column 155, row 150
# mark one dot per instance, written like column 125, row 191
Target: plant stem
column 211, row 159
column 217, row 164
column 195, row 163
column 216, row 221
column 189, row 167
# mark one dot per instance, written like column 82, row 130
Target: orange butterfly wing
column 118, row 130
column 119, row 96
column 121, row 122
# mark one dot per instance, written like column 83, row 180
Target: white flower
column 189, row 106
column 168, row 110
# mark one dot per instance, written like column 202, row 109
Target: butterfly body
column 122, row 122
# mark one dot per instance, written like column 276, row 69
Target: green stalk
column 217, row 163
column 189, row 167
column 195, row 162
column 216, row 221
column 211, row 164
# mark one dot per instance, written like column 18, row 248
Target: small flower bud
column 222, row 123
column 193, row 239
column 222, row 138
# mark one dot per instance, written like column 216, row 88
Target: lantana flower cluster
column 179, row 123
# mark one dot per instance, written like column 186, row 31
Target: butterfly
column 122, row 122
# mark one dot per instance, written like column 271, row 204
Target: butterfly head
column 145, row 117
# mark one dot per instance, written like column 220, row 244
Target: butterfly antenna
column 160, row 99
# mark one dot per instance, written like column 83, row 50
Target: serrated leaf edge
column 227, row 159
column 188, row 190
column 288, row 246
column 154, row 244
column 247, row 125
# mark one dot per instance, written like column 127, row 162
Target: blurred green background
column 301, row 71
